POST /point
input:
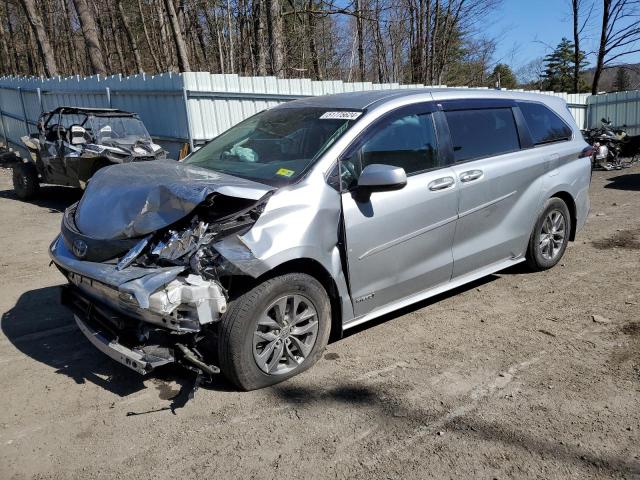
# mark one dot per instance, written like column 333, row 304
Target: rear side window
column 544, row 124
column 482, row 133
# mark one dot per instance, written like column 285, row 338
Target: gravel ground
column 520, row 375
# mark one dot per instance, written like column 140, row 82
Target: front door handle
column 470, row 176
column 441, row 184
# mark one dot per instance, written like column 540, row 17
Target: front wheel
column 274, row 331
column 550, row 235
column 25, row 181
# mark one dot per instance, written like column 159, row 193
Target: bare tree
column 275, row 33
column 132, row 40
column 90, row 33
column 619, row 37
column 42, row 38
column 181, row 47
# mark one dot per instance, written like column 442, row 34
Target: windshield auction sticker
column 285, row 172
column 340, row 115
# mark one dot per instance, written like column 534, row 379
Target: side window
column 408, row 141
column 482, row 133
column 544, row 124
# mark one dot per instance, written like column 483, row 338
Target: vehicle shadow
column 52, row 197
column 41, row 328
column 629, row 181
column 418, row 423
column 423, row 304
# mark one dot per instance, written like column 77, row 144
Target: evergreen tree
column 622, row 82
column 559, row 68
column 503, row 77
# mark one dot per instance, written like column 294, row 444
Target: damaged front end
column 155, row 299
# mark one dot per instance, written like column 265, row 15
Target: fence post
column 4, row 129
column 108, row 91
column 40, row 99
column 24, row 110
column 185, row 97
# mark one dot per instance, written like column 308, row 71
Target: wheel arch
column 568, row 199
column 307, row 266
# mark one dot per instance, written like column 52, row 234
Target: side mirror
column 78, row 135
column 382, row 177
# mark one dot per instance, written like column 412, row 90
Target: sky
column 529, row 29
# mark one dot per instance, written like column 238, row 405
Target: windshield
column 275, row 146
column 111, row 130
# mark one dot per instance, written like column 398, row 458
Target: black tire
column 536, row 260
column 25, row 181
column 237, row 327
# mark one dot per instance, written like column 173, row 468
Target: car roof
column 93, row 111
column 374, row 98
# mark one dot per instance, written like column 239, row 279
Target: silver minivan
column 313, row 217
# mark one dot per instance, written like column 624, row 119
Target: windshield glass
column 111, row 130
column 275, row 146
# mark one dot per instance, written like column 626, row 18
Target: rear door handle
column 470, row 176
column 441, row 184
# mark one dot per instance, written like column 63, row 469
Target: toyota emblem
column 79, row 248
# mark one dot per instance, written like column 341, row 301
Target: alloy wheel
column 552, row 235
column 285, row 334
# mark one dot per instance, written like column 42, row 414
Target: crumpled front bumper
column 133, row 359
column 162, row 296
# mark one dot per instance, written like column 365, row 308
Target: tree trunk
column 90, row 33
column 147, row 38
column 313, row 50
column 132, row 40
column 602, row 49
column 360, row 32
column 115, row 39
column 575, row 4
column 14, row 59
column 5, row 57
column 164, row 36
column 181, row 48
column 214, row 33
column 42, row 39
column 230, row 35
column 434, row 40
column 258, row 37
column 275, row 33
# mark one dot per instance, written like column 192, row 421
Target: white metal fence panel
column 622, row 108
column 177, row 108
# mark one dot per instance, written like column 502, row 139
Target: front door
column 399, row 242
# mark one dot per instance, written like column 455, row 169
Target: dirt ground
column 510, row 377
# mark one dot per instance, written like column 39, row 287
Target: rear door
column 399, row 242
column 499, row 174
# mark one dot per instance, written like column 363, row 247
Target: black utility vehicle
column 73, row 143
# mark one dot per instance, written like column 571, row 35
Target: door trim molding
column 487, row 204
column 407, row 237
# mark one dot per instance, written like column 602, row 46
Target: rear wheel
column 550, row 235
column 275, row 331
column 25, row 181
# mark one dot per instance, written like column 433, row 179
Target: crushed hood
column 134, row 199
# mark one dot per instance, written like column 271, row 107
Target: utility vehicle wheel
column 275, row 331
column 550, row 235
column 25, row 181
